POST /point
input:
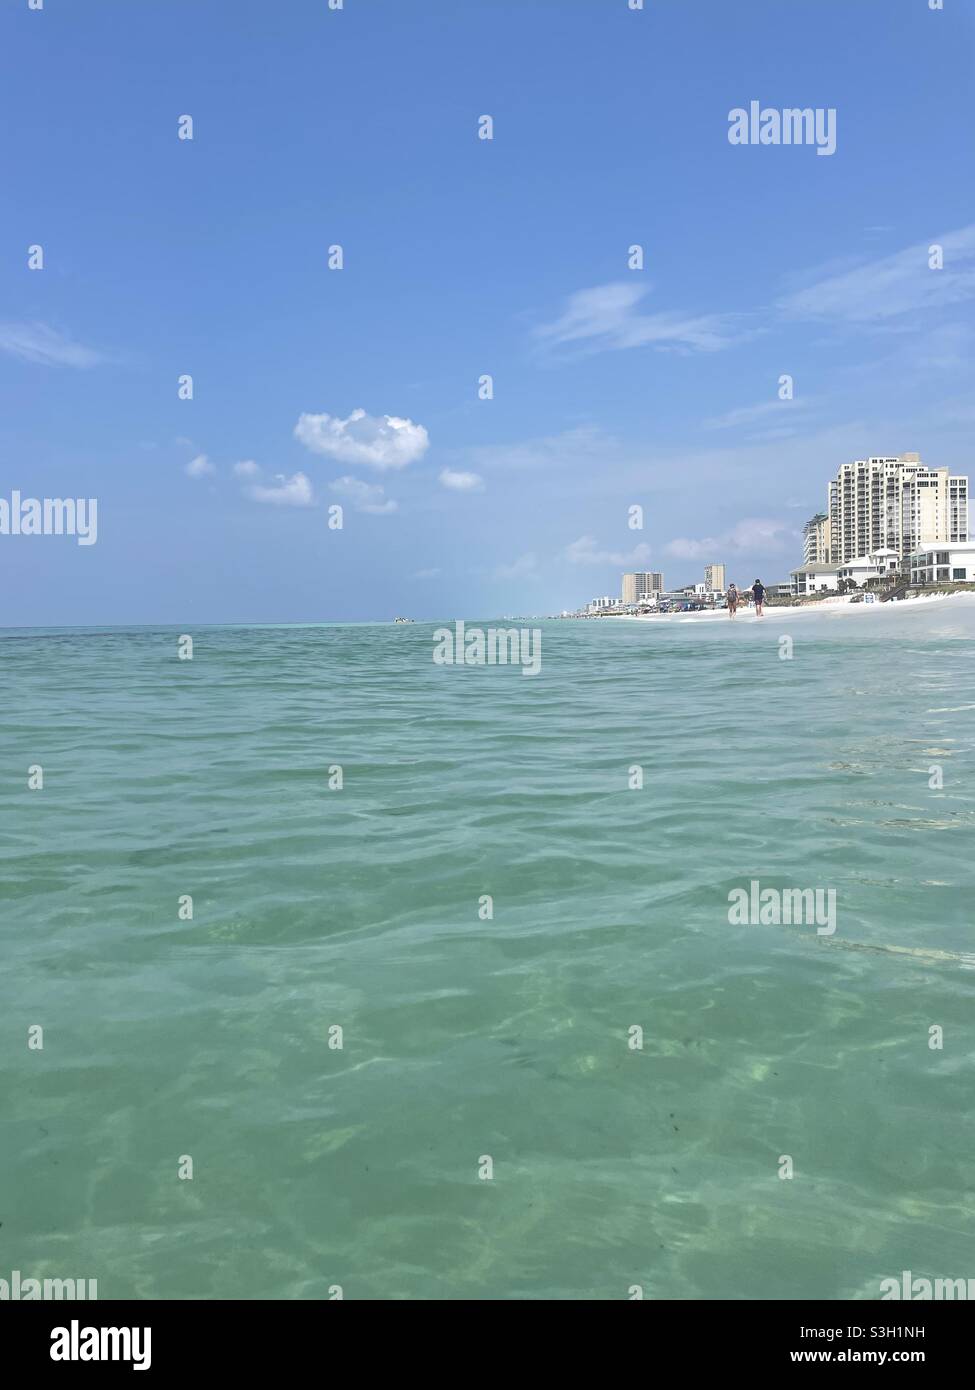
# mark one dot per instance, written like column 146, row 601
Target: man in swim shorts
column 731, row 598
column 758, row 594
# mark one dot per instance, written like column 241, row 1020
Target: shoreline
column 834, row 607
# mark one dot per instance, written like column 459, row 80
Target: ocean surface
column 469, row 1037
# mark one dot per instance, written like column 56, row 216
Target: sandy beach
column 839, row 607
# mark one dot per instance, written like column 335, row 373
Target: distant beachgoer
column 758, row 594
column 731, row 598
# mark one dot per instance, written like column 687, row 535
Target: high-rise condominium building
column 714, row 579
column 636, row 585
column 894, row 503
column 815, row 540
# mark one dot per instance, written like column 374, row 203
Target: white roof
column 926, row 547
column 867, row 561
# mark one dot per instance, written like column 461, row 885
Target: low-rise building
column 866, row 567
column 814, row 578
column 677, row 598
column 937, row 563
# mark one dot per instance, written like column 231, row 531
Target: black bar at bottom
column 69, row 1338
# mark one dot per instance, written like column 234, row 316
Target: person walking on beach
column 758, row 594
column 731, row 598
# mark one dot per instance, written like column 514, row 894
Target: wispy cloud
column 586, row 551
column 750, row 414
column 957, row 411
column 851, row 292
column 606, row 318
column 903, row 283
column 581, row 445
column 365, row 497
column 525, row 567
column 759, row 536
column 768, row 436
column 380, row 442
column 247, row 469
column 295, row 491
column 41, row 344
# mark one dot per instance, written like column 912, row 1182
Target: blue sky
column 464, row 257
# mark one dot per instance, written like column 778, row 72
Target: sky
column 362, row 386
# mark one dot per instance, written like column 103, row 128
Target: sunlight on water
column 508, row 1036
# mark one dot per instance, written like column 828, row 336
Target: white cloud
column 461, row 482
column 361, row 439
column 200, row 467
column 522, row 568
column 247, row 469
column 289, row 492
column 365, row 497
column 36, row 342
column 605, row 317
column 898, row 284
column 752, row 536
column 427, row 574
column 585, row 551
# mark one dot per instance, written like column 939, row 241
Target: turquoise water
column 359, row 908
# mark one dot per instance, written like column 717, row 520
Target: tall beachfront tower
column 636, row 585
column 815, row 540
column 714, row 579
column 894, row 503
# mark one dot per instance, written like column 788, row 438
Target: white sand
column 839, row 607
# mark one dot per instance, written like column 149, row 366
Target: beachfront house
column 877, row 565
column 934, row 562
column 816, row 577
